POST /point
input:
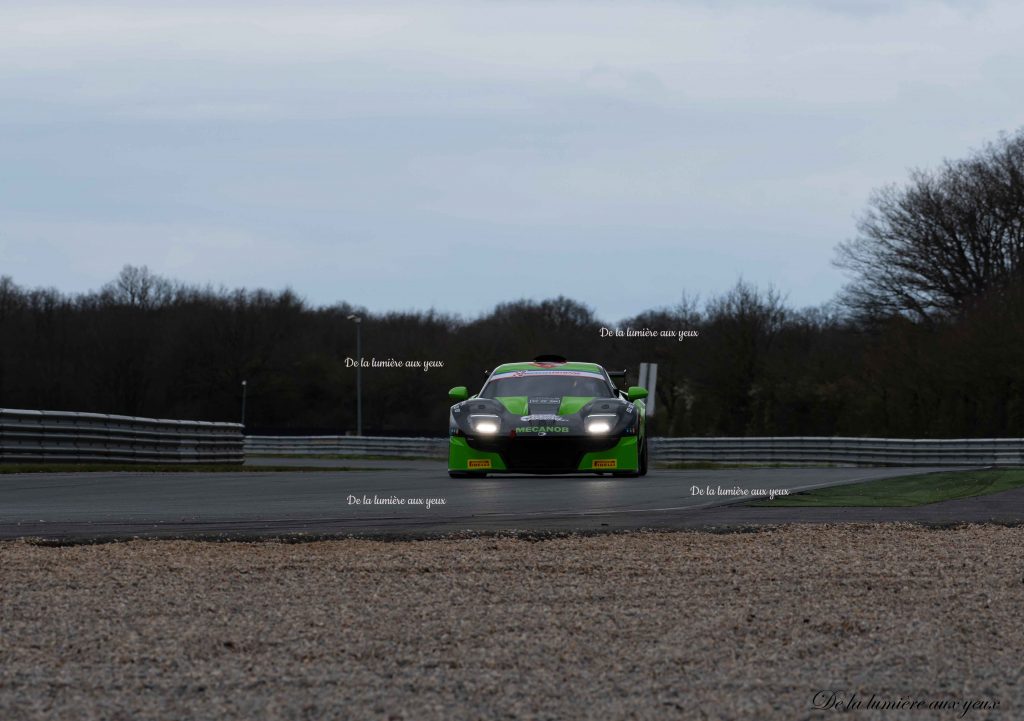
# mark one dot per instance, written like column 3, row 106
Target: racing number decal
column 479, row 463
column 606, row 463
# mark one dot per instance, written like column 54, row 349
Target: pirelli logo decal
column 606, row 463
column 479, row 463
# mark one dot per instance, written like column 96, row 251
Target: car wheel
column 643, row 458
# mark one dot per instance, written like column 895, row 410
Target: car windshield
column 540, row 385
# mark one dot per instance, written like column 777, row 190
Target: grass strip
column 915, row 490
column 715, row 465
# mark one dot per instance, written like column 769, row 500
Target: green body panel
column 624, row 454
column 460, row 454
column 636, row 393
column 516, row 405
column 572, row 404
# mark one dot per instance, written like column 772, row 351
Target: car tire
column 643, row 458
column 466, row 474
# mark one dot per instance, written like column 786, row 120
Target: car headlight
column 485, row 424
column 600, row 423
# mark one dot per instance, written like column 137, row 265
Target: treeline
column 144, row 345
column 926, row 341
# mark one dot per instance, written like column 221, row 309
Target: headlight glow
column 487, row 425
column 601, row 423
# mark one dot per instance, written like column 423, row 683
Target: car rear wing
column 618, row 377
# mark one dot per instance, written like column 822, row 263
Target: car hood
column 547, row 405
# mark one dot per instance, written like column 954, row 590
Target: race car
column 548, row 415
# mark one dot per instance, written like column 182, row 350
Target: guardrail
column 817, row 449
column 34, row 436
column 811, row 449
column 346, row 446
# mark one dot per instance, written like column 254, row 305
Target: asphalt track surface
column 253, row 504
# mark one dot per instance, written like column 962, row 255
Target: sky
column 454, row 155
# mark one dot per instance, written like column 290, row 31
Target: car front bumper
column 543, row 454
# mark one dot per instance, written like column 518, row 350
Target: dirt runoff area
column 788, row 622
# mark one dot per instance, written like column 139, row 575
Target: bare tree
column 138, row 287
column 948, row 236
column 10, row 296
column 741, row 326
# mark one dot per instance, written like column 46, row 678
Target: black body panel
column 548, row 454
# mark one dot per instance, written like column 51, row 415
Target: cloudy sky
column 457, row 154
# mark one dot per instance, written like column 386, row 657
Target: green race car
column 548, row 416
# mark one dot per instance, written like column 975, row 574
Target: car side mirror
column 461, row 393
column 635, row 393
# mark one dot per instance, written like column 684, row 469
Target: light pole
column 244, row 386
column 359, row 374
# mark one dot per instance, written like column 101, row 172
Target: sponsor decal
column 629, row 408
column 543, row 417
column 605, row 463
column 542, row 429
column 479, row 463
